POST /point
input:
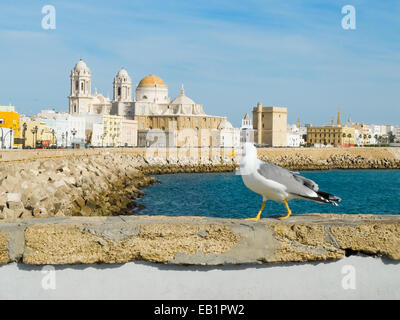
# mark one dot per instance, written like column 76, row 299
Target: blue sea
column 225, row 195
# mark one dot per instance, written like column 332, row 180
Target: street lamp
column 102, row 138
column 34, row 132
column 25, row 126
column 73, row 131
column 53, row 132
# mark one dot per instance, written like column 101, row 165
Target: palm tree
column 349, row 136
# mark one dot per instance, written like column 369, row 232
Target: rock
column 15, row 205
column 13, row 197
column 9, row 214
column 26, row 214
column 59, row 213
column 80, row 202
column 40, row 212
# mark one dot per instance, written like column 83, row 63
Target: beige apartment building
column 270, row 125
column 335, row 135
column 37, row 134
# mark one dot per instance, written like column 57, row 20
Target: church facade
column 181, row 118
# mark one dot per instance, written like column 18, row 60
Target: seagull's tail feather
column 324, row 197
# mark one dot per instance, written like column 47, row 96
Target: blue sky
column 229, row 54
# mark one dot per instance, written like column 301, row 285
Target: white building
column 228, row 136
column 396, row 133
column 69, row 129
column 293, row 140
column 295, row 135
column 246, row 130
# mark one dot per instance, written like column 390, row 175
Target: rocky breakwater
column 76, row 186
column 162, row 165
column 334, row 158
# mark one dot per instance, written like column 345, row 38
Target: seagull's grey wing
column 307, row 182
column 295, row 184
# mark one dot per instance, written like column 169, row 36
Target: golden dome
column 152, row 81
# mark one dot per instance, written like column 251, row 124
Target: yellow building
column 270, row 125
column 37, row 135
column 11, row 120
column 112, row 127
column 334, row 135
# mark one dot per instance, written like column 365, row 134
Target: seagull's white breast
column 269, row 189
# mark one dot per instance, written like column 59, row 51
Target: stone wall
column 198, row 240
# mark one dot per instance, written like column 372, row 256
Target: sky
column 228, row 54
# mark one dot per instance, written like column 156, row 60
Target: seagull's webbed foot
column 253, row 219
column 289, row 212
column 259, row 213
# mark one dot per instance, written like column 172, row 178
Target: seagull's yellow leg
column 259, row 213
column 289, row 212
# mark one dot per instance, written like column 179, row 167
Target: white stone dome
column 123, row 76
column 182, row 99
column 81, row 66
column 123, row 73
column 225, row 125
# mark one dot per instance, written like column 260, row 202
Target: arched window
column 76, row 85
column 74, row 107
column 119, row 91
column 82, row 86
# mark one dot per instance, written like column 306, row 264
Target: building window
column 74, row 107
column 76, row 85
column 119, row 91
column 82, row 86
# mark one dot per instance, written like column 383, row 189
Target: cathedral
column 151, row 106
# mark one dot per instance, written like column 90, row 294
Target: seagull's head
column 249, row 150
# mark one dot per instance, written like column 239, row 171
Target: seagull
column 275, row 183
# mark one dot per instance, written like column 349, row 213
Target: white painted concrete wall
column 374, row 278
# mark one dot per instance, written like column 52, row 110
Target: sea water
column 225, row 195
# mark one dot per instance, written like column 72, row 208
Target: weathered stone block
column 10, row 214
column 13, row 197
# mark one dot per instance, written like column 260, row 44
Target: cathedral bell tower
column 80, row 93
column 122, row 104
column 122, row 87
